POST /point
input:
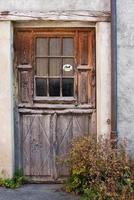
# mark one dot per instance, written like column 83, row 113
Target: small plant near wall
column 100, row 172
column 15, row 182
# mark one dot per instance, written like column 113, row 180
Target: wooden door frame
column 103, row 69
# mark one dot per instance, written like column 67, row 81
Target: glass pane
column 42, row 66
column 67, row 87
column 54, row 87
column 55, row 66
column 42, row 46
column 55, row 46
column 41, row 87
column 68, row 46
column 68, row 61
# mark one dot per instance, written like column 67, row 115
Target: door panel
column 47, row 139
column 37, row 145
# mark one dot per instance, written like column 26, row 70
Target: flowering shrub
column 100, row 172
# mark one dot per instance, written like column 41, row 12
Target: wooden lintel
column 69, row 15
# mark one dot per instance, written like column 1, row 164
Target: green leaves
column 17, row 180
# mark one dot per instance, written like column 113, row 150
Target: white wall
column 6, row 101
column 103, row 74
column 42, row 5
column 125, row 53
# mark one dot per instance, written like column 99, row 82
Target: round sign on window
column 67, row 67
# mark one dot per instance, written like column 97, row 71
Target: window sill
column 55, row 100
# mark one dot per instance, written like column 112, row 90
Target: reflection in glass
column 41, row 46
column 54, row 87
column 55, row 66
column 68, row 87
column 42, row 66
column 41, row 87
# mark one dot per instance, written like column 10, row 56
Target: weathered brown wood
column 69, row 15
column 47, row 140
column 86, row 67
column 25, row 89
column 37, row 142
column 54, row 146
column 92, row 64
column 83, row 87
column 81, row 124
column 23, row 57
column 83, row 48
column 50, row 123
column 23, row 47
column 26, row 121
column 64, row 135
column 93, row 123
column 91, row 48
column 66, row 111
column 54, row 106
column 24, row 67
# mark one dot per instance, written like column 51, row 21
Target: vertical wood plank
column 91, row 48
column 54, row 146
column 64, row 136
column 86, row 72
column 46, row 145
column 37, row 159
column 35, row 147
column 25, row 89
column 23, row 47
column 92, row 124
column 81, row 124
column 83, row 48
column 83, row 87
column 92, row 64
column 26, row 143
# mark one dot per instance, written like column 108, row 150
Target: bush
column 15, row 182
column 100, row 172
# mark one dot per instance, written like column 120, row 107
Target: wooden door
column 55, row 95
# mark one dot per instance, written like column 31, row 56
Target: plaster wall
column 103, row 75
column 6, row 101
column 42, row 5
column 125, row 76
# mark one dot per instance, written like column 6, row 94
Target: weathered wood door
column 55, row 94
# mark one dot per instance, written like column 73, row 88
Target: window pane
column 41, row 87
column 54, row 87
column 67, row 87
column 55, row 46
column 68, row 46
column 68, row 61
column 42, row 66
column 42, row 47
column 55, row 66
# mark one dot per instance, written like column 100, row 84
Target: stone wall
column 125, row 77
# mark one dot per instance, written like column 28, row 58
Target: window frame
column 55, row 99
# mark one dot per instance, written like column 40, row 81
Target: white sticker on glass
column 67, row 67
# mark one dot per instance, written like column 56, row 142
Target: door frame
column 103, row 72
